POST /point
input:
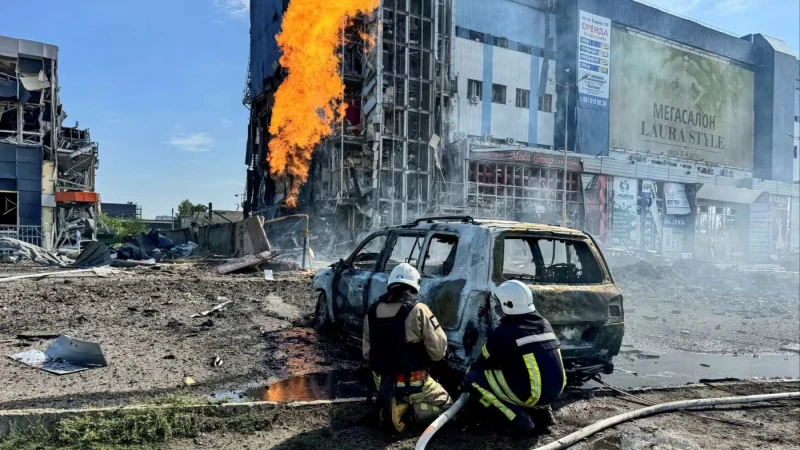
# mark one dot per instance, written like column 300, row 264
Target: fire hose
column 574, row 438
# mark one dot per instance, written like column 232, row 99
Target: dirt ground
column 142, row 320
column 764, row 426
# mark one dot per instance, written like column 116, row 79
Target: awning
column 728, row 194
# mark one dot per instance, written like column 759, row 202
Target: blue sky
column 159, row 83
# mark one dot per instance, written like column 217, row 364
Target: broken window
column 424, row 151
column 427, row 9
column 498, row 94
column 475, row 89
column 540, row 260
column 414, row 67
column 523, row 98
column 388, row 25
column 401, row 28
column 400, row 59
column 426, row 96
column 413, row 94
column 426, row 65
column 440, row 256
column 476, row 36
column 412, row 187
column 424, row 126
column 369, row 253
column 400, row 91
column 501, row 42
column 525, row 49
column 415, row 32
column 416, row 6
column 546, row 103
column 413, row 125
column 427, row 36
column 405, row 249
column 388, row 58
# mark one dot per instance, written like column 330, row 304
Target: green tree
column 123, row 228
column 186, row 208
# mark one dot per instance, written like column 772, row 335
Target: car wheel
column 321, row 319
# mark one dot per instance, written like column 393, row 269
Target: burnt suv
column 461, row 261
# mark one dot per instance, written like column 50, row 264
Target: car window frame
column 426, row 245
column 390, row 245
column 498, row 255
column 361, row 246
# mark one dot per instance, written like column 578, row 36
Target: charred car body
column 462, row 260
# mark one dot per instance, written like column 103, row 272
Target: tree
column 123, row 227
column 186, row 208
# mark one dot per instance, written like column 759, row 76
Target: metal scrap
column 65, row 355
column 245, row 262
column 213, row 310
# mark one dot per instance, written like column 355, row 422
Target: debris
column 268, row 275
column 214, row 309
column 95, row 254
column 181, row 251
column 32, row 336
column 705, row 365
column 97, row 272
column 718, row 327
column 168, row 357
column 65, row 355
column 245, row 262
column 216, row 361
column 131, row 263
column 189, row 381
column 684, row 332
column 32, row 252
column 791, row 348
column 208, row 323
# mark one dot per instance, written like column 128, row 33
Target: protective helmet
column 406, row 274
column 515, row 298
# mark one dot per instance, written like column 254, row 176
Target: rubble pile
column 701, row 307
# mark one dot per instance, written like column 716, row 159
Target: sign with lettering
column 678, row 103
column 625, row 217
column 529, row 158
column 675, row 199
column 594, row 60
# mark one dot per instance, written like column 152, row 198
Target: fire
column 309, row 99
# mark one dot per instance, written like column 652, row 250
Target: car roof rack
column 431, row 219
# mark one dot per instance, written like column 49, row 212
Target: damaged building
column 47, row 170
column 678, row 136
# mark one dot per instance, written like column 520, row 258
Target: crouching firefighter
column 520, row 371
column 401, row 337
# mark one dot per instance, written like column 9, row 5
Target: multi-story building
column 679, row 137
column 41, row 162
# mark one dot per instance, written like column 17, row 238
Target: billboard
column 677, row 103
column 594, row 60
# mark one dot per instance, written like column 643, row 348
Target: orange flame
column 305, row 103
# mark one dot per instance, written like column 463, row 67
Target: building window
column 501, row 42
column 523, row 98
column 475, row 89
column 525, row 49
column 546, row 103
column 476, row 36
column 498, row 93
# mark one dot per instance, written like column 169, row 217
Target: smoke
column 309, row 99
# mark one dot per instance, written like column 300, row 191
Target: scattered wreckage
column 462, row 260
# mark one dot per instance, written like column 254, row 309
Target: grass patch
column 152, row 428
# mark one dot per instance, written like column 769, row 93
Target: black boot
column 543, row 419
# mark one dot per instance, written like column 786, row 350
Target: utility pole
column 568, row 87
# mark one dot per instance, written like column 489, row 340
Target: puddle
column 315, row 386
column 612, row 442
column 682, row 368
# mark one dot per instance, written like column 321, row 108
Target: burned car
column 461, row 261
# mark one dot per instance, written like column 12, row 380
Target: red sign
column 530, row 158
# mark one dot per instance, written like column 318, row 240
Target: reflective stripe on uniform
column 501, row 380
column 498, row 391
column 536, row 338
column 489, row 399
column 563, row 371
column 535, row 377
column 485, row 351
column 377, row 379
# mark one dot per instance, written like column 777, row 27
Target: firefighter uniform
column 401, row 336
column 519, row 372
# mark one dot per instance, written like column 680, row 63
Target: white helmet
column 515, row 298
column 406, row 274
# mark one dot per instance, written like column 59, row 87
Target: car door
column 404, row 246
column 352, row 280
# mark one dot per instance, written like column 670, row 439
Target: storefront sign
column 675, row 101
column 529, row 158
column 673, row 231
column 594, row 60
column 595, row 189
column 675, row 198
column 625, row 219
column 686, row 165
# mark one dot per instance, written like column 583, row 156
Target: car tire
column 322, row 320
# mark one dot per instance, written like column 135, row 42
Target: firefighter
column 401, row 337
column 519, row 372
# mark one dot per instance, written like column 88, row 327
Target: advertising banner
column 529, row 158
column 676, row 201
column 594, row 60
column 678, row 103
column 625, row 218
column 595, row 216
